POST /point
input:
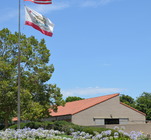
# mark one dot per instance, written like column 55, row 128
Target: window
column 99, row 121
column 111, row 121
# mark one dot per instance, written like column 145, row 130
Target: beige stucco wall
column 110, row 108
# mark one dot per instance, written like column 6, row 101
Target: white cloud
column 69, row 3
column 53, row 7
column 90, row 91
column 96, row 3
column 89, row 3
column 44, row 9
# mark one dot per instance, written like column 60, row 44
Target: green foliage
column 73, row 98
column 128, row 100
column 35, row 125
column 66, row 136
column 144, row 104
column 61, row 126
column 93, row 130
column 1, row 126
column 22, row 125
column 36, row 95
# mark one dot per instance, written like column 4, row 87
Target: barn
column 102, row 110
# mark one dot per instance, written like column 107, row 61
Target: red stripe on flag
column 40, row 1
column 38, row 28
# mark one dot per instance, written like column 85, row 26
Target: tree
column 36, row 93
column 73, row 98
column 8, row 96
column 127, row 100
column 143, row 103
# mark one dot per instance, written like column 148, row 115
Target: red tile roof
column 74, row 107
column 14, row 119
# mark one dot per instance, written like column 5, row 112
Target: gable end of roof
column 81, row 105
column 117, row 94
column 133, row 108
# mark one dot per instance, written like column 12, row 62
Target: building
column 101, row 110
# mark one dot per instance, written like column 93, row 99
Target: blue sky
column 99, row 47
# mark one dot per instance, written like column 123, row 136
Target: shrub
column 1, row 126
column 65, row 126
column 22, row 125
column 34, row 125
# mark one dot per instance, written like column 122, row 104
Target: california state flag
column 38, row 21
column 40, row 1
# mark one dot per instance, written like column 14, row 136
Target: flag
column 40, row 1
column 38, row 21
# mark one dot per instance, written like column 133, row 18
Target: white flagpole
column 19, row 54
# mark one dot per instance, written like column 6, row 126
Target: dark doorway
column 111, row 121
